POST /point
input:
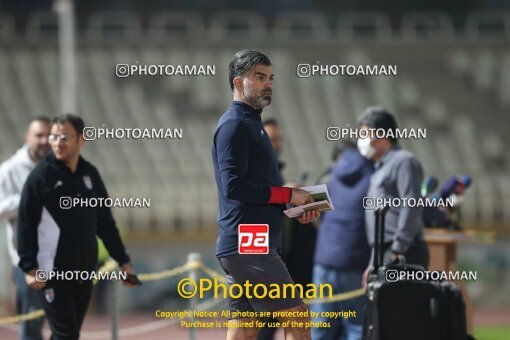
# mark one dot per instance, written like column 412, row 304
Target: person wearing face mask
column 342, row 250
column 398, row 174
column 13, row 174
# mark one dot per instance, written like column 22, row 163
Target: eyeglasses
column 57, row 138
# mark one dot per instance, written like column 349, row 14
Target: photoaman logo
column 253, row 239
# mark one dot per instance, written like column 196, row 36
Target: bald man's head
column 37, row 138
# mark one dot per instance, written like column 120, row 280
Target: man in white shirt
column 13, row 174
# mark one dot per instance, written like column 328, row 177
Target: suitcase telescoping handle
column 380, row 213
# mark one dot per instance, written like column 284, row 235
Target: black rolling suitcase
column 409, row 309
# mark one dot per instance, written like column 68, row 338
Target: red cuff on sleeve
column 280, row 195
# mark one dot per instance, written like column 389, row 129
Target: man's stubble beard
column 38, row 154
column 259, row 102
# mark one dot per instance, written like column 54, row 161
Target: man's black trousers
column 65, row 304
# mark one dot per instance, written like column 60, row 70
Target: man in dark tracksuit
column 247, row 179
column 52, row 236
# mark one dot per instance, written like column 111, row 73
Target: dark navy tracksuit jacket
column 53, row 238
column 245, row 168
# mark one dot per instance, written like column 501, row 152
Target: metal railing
column 194, row 268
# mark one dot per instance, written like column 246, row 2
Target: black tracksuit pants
column 65, row 304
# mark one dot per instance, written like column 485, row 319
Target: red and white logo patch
column 253, row 239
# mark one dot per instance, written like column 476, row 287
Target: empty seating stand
column 441, row 93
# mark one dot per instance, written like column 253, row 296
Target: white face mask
column 365, row 149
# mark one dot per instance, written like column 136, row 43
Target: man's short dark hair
column 377, row 117
column 244, row 61
column 270, row 121
column 72, row 119
column 40, row 118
